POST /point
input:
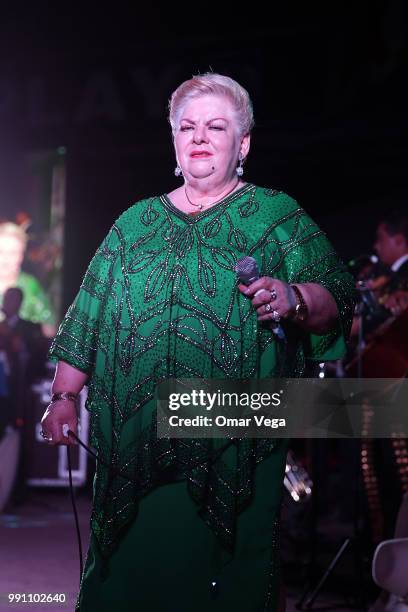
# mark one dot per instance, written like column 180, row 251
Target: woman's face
column 207, row 140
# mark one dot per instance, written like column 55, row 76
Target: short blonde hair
column 7, row 228
column 211, row 83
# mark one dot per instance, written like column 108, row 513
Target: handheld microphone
column 247, row 272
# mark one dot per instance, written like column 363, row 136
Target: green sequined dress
column 159, row 300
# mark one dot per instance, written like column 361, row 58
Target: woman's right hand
column 56, row 415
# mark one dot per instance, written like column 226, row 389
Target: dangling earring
column 178, row 171
column 239, row 169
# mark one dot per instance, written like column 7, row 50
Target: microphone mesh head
column 247, row 270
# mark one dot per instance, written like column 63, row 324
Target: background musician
column 391, row 245
column 384, row 285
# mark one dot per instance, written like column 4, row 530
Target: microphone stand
column 309, row 596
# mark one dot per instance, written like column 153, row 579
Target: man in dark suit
column 23, row 343
column 23, row 335
column 391, row 245
column 386, row 290
column 24, row 350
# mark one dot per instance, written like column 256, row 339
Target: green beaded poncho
column 159, row 300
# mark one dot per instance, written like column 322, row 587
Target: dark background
column 328, row 88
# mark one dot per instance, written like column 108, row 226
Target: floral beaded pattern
column 160, row 300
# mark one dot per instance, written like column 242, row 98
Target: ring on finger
column 45, row 436
column 274, row 295
column 276, row 316
column 268, row 307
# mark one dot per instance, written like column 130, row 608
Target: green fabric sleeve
column 78, row 334
column 311, row 258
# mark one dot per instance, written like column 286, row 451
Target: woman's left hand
column 272, row 298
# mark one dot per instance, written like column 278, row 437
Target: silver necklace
column 200, row 206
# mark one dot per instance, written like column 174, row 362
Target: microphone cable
column 213, row 457
column 71, row 489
